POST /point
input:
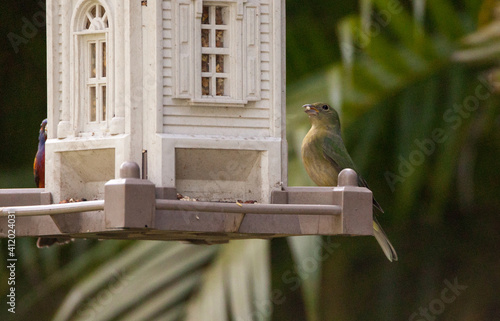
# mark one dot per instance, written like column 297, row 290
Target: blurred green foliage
column 23, row 85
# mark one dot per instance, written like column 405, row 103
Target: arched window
column 97, row 18
column 91, row 61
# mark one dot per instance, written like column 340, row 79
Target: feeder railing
column 161, row 204
column 53, row 209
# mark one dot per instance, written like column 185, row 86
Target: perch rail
column 162, row 204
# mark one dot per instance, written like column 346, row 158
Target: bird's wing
column 362, row 182
column 335, row 152
column 35, row 172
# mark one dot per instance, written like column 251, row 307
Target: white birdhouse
column 193, row 90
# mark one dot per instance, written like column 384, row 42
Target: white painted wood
column 154, row 98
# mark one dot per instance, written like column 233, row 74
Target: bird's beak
column 310, row 110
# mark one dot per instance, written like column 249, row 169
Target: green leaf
column 237, row 281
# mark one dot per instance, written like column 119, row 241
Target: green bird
column 324, row 156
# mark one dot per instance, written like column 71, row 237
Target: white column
column 117, row 125
column 64, row 128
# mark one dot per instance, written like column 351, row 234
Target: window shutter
column 184, row 55
column 252, row 36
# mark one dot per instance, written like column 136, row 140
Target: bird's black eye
column 325, row 107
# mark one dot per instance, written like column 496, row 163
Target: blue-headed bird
column 39, row 173
column 325, row 155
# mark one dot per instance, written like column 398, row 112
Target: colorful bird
column 324, row 156
column 39, row 172
column 39, row 163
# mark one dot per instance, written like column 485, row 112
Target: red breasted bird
column 324, row 156
column 39, row 172
column 39, row 163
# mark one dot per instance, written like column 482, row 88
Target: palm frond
column 306, row 253
column 236, row 286
column 167, row 269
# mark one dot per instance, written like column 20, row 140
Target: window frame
column 244, row 75
column 97, row 82
column 232, row 61
column 213, row 52
column 83, row 35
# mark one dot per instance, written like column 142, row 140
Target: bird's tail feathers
column 384, row 242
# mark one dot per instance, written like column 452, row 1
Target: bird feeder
column 190, row 96
column 191, row 90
